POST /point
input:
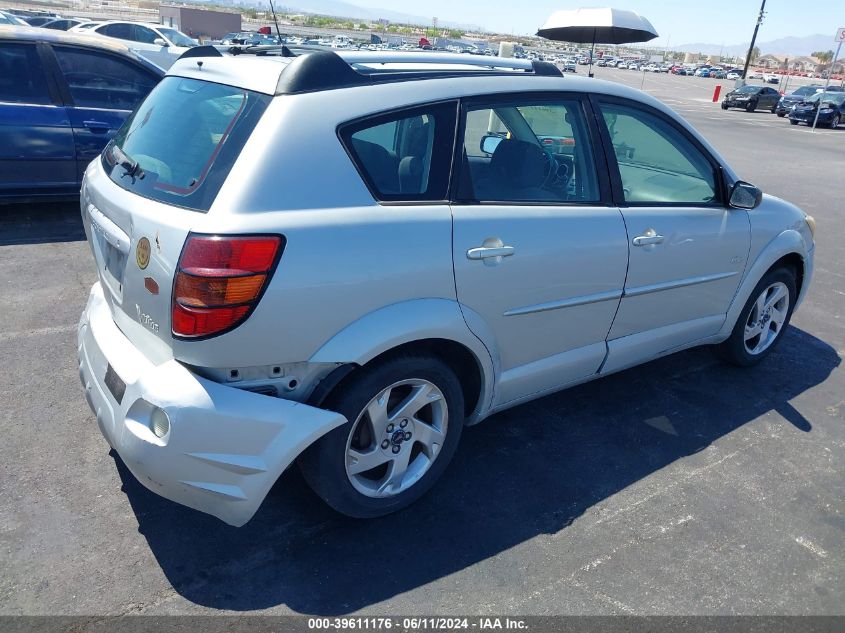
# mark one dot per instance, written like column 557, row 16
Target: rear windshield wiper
column 131, row 167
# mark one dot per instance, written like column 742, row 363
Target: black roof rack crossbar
column 201, row 51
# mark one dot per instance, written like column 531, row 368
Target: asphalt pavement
column 681, row 487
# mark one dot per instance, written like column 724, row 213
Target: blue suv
column 62, row 98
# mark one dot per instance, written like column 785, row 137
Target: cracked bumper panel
column 225, row 447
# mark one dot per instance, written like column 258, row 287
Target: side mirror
column 489, row 143
column 160, row 42
column 744, row 195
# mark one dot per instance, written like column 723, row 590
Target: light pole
column 754, row 39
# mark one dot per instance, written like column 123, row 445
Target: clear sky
column 714, row 21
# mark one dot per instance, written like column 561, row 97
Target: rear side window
column 120, row 30
column 405, row 156
column 180, row 144
column 21, row 76
column 100, row 80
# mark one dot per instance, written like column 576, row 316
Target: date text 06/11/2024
column 417, row 623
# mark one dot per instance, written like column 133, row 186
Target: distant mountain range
column 340, row 9
column 792, row 46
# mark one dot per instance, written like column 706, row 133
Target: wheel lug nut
column 396, row 449
column 403, row 423
column 407, row 435
column 390, row 428
column 385, row 444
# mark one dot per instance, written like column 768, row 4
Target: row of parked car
column 801, row 106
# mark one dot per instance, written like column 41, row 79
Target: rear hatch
column 151, row 187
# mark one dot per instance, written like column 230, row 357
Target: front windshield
column 837, row 98
column 747, row 90
column 177, row 38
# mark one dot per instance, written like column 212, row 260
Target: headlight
column 811, row 224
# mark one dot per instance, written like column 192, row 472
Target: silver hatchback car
column 342, row 259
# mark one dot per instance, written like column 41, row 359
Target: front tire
column 404, row 420
column 834, row 122
column 724, row 106
column 763, row 319
column 751, row 106
column 793, row 121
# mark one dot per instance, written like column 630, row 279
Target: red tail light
column 219, row 281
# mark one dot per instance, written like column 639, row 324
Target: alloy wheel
column 766, row 318
column 396, row 438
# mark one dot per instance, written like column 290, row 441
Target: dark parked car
column 750, row 98
column 831, row 111
column 39, row 20
column 62, row 24
column 62, row 98
column 794, row 98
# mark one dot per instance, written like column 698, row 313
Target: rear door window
column 101, row 80
column 21, row 75
column 405, row 156
column 528, row 151
column 180, row 144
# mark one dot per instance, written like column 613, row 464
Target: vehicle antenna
column 276, row 22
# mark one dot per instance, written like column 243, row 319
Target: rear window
column 180, row 144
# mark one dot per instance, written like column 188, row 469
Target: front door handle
column 96, row 126
column 648, row 238
column 491, row 252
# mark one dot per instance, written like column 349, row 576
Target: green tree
column 755, row 54
column 823, row 56
column 456, row 34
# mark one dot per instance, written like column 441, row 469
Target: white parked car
column 734, row 75
column 300, row 260
column 158, row 43
column 755, row 74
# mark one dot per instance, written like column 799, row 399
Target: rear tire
column 763, row 319
column 408, row 447
column 780, row 114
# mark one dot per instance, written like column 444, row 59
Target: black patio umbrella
column 605, row 26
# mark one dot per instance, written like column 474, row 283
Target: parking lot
column 681, row 487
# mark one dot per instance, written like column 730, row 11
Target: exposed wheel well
column 796, row 263
column 459, row 358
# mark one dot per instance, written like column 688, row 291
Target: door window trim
column 345, row 130
column 532, row 98
column 613, row 165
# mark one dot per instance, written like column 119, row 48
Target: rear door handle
column 484, row 252
column 96, row 126
column 491, row 252
column 650, row 237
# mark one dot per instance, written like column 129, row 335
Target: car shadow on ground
column 525, row 472
column 40, row 223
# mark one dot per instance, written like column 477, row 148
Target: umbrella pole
column 592, row 52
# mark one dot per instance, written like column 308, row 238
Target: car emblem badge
column 142, row 253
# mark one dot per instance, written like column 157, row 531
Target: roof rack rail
column 315, row 68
